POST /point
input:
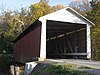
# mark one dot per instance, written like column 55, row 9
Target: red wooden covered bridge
column 61, row 34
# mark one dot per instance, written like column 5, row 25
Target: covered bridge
column 61, row 34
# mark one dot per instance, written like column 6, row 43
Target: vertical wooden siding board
column 28, row 46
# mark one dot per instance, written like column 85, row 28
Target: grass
column 57, row 69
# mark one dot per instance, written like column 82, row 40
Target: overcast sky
column 17, row 4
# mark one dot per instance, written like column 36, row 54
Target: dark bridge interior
column 65, row 40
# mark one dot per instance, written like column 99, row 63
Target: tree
column 13, row 23
column 4, row 39
column 81, row 6
column 57, row 7
column 6, row 45
column 94, row 16
column 39, row 9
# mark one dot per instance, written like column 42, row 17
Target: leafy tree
column 4, row 40
column 6, row 45
column 39, row 9
column 57, row 7
column 94, row 16
column 13, row 23
column 81, row 6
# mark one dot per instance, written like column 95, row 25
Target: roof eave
column 80, row 15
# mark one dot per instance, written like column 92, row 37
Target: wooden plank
column 61, row 35
column 74, row 54
column 61, row 50
column 78, row 54
column 64, row 42
column 69, row 43
column 56, row 46
column 76, row 42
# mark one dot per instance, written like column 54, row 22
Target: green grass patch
column 57, row 69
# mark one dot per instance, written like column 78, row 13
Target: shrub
column 96, row 55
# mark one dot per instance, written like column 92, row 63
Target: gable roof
column 70, row 9
column 68, row 15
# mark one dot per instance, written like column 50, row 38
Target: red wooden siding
column 28, row 46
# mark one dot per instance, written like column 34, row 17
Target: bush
column 5, row 61
column 96, row 55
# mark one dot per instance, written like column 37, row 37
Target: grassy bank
column 57, row 69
